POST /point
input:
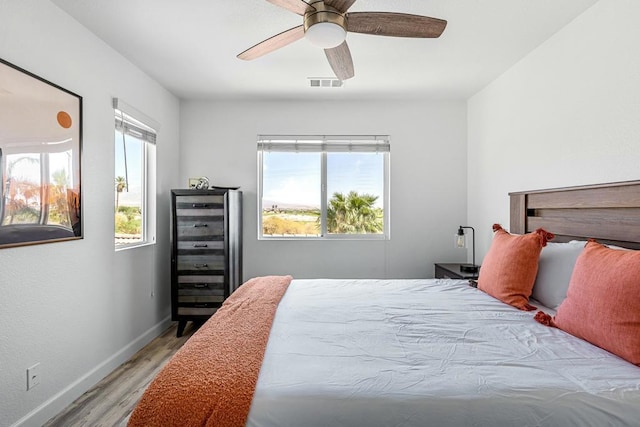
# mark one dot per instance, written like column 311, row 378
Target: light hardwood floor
column 110, row 402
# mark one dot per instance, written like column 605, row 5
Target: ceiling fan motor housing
column 324, row 26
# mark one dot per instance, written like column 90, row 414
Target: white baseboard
column 65, row 397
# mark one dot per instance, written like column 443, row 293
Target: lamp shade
column 326, row 35
column 460, row 239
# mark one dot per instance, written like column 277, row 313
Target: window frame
column 147, row 129
column 360, row 143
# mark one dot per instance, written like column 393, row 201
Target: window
column 134, row 182
column 323, row 187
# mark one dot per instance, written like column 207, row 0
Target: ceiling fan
column 326, row 23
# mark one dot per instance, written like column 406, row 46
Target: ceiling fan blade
column 340, row 5
column 395, row 24
column 273, row 43
column 295, row 6
column 340, row 60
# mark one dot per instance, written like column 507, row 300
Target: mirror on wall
column 40, row 157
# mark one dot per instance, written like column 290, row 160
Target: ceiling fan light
column 326, row 35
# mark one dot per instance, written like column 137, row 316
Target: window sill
column 332, row 238
column 134, row 245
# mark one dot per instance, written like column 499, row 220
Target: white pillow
column 618, row 248
column 555, row 267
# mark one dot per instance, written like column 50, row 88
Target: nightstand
column 452, row 271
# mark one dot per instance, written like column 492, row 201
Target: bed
column 422, row 352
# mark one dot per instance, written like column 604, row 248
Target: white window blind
column 128, row 125
column 328, row 144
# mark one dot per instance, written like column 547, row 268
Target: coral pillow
column 603, row 301
column 509, row 269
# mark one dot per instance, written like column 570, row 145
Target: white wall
column 567, row 114
column 428, row 196
column 78, row 308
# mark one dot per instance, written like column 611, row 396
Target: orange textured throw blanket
column 210, row 381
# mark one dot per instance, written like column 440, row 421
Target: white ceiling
column 190, row 46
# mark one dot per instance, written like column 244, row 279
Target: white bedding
column 430, row 353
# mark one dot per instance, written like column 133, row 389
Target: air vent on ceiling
column 325, row 82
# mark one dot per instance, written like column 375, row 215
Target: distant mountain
column 267, row 204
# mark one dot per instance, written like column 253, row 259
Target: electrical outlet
column 33, row 376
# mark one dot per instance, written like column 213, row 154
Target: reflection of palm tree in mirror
column 58, row 207
column 354, row 213
column 121, row 184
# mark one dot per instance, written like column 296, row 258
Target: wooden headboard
column 609, row 213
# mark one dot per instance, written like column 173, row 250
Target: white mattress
column 430, row 353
